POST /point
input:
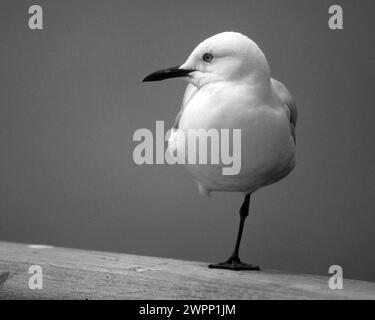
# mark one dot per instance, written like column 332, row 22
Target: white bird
column 230, row 87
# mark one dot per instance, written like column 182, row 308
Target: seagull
column 230, row 87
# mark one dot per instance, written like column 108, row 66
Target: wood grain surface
column 81, row 274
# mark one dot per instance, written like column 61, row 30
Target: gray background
column 72, row 97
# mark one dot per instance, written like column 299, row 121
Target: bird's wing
column 189, row 93
column 288, row 104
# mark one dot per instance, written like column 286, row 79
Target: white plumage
column 235, row 91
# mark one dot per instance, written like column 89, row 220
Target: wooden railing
column 80, row 274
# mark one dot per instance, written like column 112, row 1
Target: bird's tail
column 204, row 191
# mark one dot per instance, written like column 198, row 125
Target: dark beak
column 174, row 72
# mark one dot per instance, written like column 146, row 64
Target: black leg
column 234, row 262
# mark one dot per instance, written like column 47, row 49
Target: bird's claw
column 235, row 265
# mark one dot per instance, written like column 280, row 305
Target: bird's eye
column 207, row 57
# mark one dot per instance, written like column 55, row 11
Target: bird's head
column 227, row 56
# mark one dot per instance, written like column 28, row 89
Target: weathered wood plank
column 81, row 274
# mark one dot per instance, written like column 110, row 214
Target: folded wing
column 288, row 103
